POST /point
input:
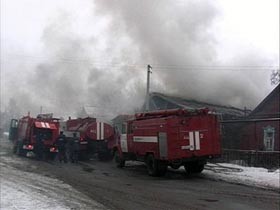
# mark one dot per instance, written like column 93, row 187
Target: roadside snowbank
column 259, row 177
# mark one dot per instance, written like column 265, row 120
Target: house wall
column 253, row 132
column 253, row 135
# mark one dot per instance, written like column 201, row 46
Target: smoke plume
column 107, row 68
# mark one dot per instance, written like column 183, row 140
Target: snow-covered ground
column 233, row 173
column 258, row 177
column 26, row 190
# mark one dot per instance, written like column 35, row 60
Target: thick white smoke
column 106, row 67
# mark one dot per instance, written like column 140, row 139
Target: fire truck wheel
column 155, row 167
column 162, row 169
column 194, row 167
column 198, row 168
column 51, row 156
column 82, row 155
column 15, row 149
column 18, row 148
column 188, row 168
column 120, row 162
column 175, row 166
column 103, row 156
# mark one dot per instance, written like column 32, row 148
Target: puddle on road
column 208, row 200
column 106, row 174
column 88, row 169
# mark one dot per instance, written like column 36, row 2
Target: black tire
column 15, row 147
column 199, row 168
column 194, row 167
column 19, row 149
column 162, row 169
column 189, row 168
column 83, row 155
column 50, row 156
column 120, row 162
column 175, row 166
column 105, row 156
column 155, row 167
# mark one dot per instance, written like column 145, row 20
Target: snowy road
column 25, row 190
column 83, row 185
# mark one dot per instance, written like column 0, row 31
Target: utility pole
column 41, row 109
column 149, row 71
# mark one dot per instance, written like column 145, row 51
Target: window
column 129, row 128
column 14, row 123
column 124, row 125
column 268, row 138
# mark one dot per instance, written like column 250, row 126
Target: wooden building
column 261, row 132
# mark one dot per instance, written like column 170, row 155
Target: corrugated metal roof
column 159, row 101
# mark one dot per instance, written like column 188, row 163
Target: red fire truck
column 96, row 137
column 26, row 132
column 176, row 137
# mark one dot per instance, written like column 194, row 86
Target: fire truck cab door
column 162, row 143
column 13, row 129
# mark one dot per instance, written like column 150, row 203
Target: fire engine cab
column 175, row 137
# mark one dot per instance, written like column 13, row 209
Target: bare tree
column 275, row 77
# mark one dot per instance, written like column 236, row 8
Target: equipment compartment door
column 162, row 143
column 124, row 143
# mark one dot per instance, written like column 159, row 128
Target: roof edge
column 258, row 107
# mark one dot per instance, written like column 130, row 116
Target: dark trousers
column 62, row 155
column 74, row 156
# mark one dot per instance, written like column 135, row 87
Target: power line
column 160, row 67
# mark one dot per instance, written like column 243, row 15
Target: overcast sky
column 68, row 53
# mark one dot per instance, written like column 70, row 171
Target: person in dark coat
column 73, row 146
column 61, row 146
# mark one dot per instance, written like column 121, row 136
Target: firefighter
column 61, row 146
column 73, row 148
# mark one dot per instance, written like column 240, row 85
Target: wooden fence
column 252, row 158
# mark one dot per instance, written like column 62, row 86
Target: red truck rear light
column 53, row 149
column 28, row 147
column 82, row 141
